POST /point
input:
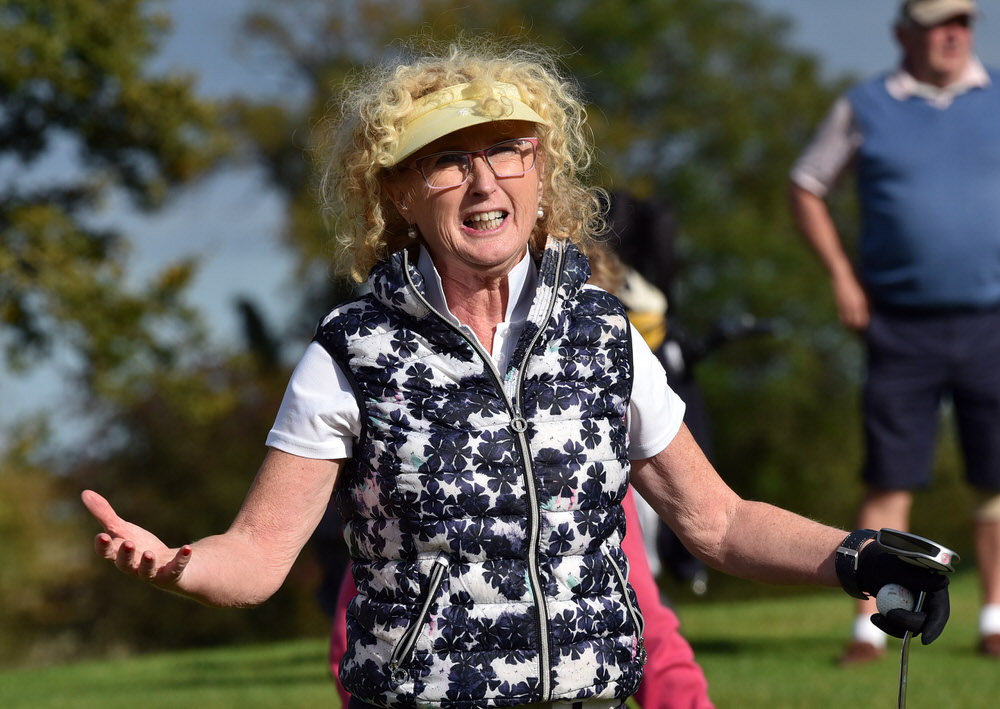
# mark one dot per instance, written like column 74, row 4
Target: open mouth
column 486, row 221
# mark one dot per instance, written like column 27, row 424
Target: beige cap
column 933, row 12
column 460, row 106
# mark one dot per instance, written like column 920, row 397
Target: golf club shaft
column 904, row 658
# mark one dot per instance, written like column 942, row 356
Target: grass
column 782, row 653
column 281, row 675
column 761, row 653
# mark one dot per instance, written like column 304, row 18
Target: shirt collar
column 901, row 85
column 521, row 283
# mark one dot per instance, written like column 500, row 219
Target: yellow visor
column 460, row 106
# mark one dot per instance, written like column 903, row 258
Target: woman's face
column 479, row 228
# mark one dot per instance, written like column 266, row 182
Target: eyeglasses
column 451, row 168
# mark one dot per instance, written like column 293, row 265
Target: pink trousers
column 671, row 678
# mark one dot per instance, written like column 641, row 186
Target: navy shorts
column 916, row 361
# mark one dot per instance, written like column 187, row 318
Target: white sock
column 989, row 619
column 865, row 632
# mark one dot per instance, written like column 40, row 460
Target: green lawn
column 782, row 653
column 762, row 653
column 282, row 675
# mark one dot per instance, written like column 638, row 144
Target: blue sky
column 233, row 221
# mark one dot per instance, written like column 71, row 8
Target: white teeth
column 486, row 216
column 485, row 221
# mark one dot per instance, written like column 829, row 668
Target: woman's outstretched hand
column 132, row 549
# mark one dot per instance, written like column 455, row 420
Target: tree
column 73, row 82
column 81, row 122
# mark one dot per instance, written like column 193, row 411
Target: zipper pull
column 399, row 675
column 640, row 651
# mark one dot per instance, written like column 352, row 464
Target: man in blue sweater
column 924, row 141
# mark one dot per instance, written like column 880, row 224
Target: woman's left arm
column 753, row 540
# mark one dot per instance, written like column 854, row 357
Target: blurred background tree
column 166, row 418
column 73, row 83
column 700, row 103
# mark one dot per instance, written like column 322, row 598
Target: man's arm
column 813, row 177
column 814, row 221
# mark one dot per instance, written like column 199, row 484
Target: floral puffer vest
column 483, row 509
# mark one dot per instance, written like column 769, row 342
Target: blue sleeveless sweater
column 929, row 186
column 483, row 509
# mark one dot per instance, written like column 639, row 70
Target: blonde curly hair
column 360, row 135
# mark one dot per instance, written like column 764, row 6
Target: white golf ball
column 892, row 596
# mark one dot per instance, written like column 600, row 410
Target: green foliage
column 73, row 83
column 82, row 124
column 177, row 453
column 40, row 549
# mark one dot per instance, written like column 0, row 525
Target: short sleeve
column 655, row 412
column 833, row 147
column 319, row 415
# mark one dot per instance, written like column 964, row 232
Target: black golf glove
column 876, row 567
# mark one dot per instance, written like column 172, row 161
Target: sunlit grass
column 782, row 653
column 762, row 653
column 273, row 676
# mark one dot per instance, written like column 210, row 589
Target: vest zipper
column 637, row 620
column 534, row 526
column 404, row 647
column 519, row 425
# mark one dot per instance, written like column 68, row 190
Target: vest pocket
column 403, row 650
column 637, row 620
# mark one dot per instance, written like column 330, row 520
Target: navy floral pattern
column 512, row 481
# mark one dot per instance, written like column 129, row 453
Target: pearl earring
column 541, row 212
column 411, row 231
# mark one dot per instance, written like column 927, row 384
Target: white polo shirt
column 319, row 415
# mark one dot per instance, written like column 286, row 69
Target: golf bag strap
column 846, row 561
